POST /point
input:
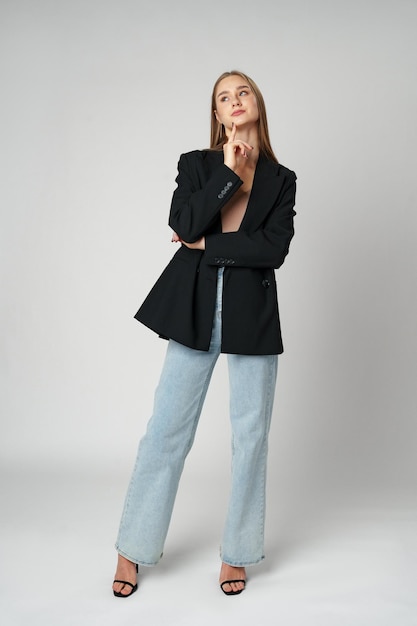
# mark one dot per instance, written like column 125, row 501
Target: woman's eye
column 244, row 92
column 224, row 99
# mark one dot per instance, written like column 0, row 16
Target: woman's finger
column 239, row 146
column 239, row 143
column 233, row 133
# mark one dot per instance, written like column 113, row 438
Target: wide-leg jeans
column 179, row 399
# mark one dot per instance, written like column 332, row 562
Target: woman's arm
column 194, row 209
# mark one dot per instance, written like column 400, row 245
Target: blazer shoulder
column 192, row 154
column 201, row 156
column 200, row 163
column 286, row 172
column 195, row 155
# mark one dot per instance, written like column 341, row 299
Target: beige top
column 234, row 211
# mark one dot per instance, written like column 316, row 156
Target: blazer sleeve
column 267, row 246
column 197, row 200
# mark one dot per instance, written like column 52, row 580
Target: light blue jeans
column 170, row 434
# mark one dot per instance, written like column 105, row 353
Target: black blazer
column 181, row 304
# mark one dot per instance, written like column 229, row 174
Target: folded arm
column 194, row 209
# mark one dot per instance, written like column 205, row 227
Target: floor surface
column 359, row 568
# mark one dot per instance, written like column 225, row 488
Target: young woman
column 232, row 212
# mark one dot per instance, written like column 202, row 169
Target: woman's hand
column 234, row 150
column 200, row 244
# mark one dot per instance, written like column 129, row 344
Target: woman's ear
column 216, row 116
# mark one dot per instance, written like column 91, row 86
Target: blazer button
column 265, row 283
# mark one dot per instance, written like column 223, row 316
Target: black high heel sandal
column 233, row 593
column 118, row 594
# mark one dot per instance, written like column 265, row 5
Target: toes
column 122, row 588
column 236, row 586
column 233, row 587
column 229, row 572
column 125, row 590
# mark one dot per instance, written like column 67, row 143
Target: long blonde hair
column 217, row 131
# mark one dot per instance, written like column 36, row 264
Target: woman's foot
column 236, row 576
column 125, row 577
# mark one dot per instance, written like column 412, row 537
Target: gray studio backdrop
column 98, row 101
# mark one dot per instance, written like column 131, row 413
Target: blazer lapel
column 265, row 189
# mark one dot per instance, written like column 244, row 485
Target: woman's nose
column 236, row 101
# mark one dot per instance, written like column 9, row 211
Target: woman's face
column 235, row 103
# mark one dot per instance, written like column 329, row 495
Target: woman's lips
column 239, row 112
